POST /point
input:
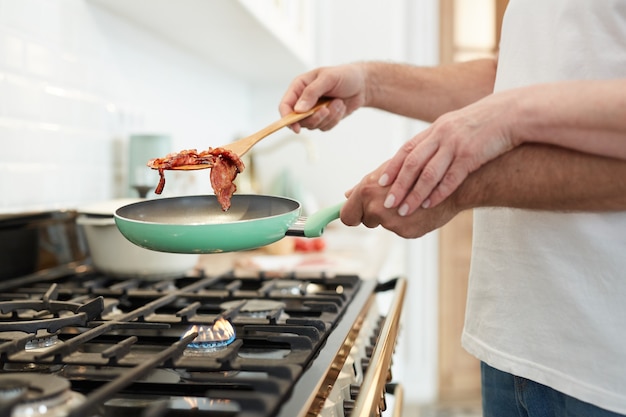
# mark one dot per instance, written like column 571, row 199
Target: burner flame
column 220, row 334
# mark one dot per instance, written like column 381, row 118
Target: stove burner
column 42, row 342
column 11, row 389
column 35, row 315
column 210, row 338
column 215, row 405
column 35, row 395
column 255, row 308
column 199, row 377
column 219, row 406
column 289, row 287
column 31, row 367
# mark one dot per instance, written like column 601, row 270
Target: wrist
column 371, row 82
column 467, row 196
column 524, row 117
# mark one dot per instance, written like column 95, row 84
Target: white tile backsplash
column 12, row 52
column 76, row 81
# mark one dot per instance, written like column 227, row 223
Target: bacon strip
column 225, row 165
column 225, row 168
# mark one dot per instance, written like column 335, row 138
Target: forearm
column 541, row 177
column 426, row 93
column 589, row 116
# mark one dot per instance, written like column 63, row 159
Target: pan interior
column 205, row 209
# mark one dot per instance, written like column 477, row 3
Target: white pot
column 113, row 255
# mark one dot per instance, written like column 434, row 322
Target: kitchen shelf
column 258, row 41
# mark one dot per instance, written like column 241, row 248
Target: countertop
column 348, row 250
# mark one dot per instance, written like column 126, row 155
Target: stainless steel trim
column 335, row 368
column 370, row 395
column 312, row 388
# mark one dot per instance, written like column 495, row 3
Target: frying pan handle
column 316, row 222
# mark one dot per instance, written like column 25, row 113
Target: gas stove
column 75, row 342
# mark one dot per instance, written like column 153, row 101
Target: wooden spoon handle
column 243, row 145
column 296, row 117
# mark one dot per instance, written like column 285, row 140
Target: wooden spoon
column 242, row 146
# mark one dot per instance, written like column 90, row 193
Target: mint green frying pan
column 197, row 224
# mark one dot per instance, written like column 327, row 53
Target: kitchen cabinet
column 257, row 40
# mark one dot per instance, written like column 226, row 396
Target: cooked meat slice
column 225, row 168
column 225, row 165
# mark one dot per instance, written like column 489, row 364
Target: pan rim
column 118, row 215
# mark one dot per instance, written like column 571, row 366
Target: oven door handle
column 372, row 388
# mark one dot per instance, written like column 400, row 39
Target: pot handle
column 316, row 222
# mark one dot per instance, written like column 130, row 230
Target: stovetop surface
column 84, row 344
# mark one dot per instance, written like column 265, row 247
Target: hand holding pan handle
column 313, row 226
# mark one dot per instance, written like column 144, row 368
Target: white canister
column 141, row 148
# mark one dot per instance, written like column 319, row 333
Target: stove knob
column 354, row 394
column 354, row 391
column 365, row 363
column 348, row 407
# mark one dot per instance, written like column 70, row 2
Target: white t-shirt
column 547, row 293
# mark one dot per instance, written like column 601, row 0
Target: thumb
column 311, row 94
column 305, row 103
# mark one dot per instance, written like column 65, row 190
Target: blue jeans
column 506, row 395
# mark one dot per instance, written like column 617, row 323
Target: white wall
column 75, row 81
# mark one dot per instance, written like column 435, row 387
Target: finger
column 455, row 175
column 395, row 164
column 289, row 99
column 317, row 119
column 287, row 102
column 336, row 112
column 393, row 168
column 295, row 127
column 352, row 211
column 293, row 93
column 408, row 174
column 371, row 219
column 316, row 88
column 325, row 118
column 428, row 180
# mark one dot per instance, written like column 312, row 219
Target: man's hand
column 345, row 83
column 365, row 206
